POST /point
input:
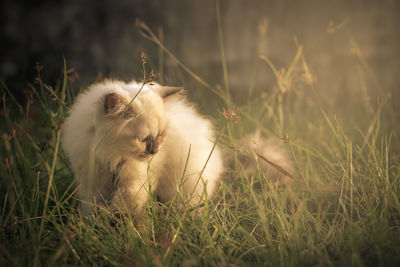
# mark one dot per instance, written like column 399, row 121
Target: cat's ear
column 166, row 91
column 113, row 102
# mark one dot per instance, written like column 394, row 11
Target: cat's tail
column 270, row 155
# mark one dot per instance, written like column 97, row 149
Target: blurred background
column 100, row 38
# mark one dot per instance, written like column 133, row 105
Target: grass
column 343, row 208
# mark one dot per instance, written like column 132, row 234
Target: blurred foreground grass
column 342, row 209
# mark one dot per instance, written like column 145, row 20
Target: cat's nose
column 153, row 150
column 151, row 147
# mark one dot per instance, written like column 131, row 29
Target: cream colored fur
column 269, row 154
column 106, row 138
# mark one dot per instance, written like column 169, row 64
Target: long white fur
column 104, row 150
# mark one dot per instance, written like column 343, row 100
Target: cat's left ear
column 166, row 91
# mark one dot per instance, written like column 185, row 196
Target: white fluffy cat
column 123, row 143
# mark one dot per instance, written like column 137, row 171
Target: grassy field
column 343, row 209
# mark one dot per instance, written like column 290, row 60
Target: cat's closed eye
column 146, row 139
column 161, row 134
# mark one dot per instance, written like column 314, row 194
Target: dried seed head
column 230, row 115
column 143, row 57
column 153, row 76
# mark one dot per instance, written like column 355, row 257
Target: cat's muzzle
column 151, row 146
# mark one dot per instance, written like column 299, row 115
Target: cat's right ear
column 114, row 104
